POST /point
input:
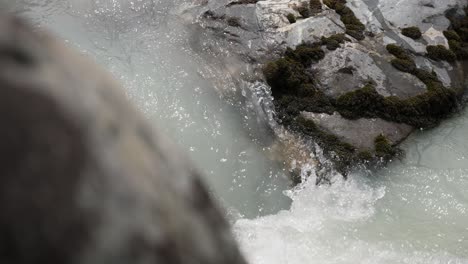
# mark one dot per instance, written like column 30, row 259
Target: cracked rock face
column 267, row 28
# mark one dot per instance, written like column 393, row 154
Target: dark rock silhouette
column 83, row 177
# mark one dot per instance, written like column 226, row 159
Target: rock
column 84, row 178
column 351, row 131
column 311, row 30
column 369, row 65
column 390, row 92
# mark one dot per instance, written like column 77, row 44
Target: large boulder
column 83, row 177
column 336, row 66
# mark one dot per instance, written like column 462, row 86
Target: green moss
column 365, row 156
column 285, row 76
column 463, row 32
column 452, row 35
column 404, row 65
column 352, row 22
column 398, row 52
column 403, row 61
column 291, row 18
column 359, row 103
column 411, row 32
column 333, row 3
column 460, row 49
column 288, row 75
column 289, row 106
column 333, row 42
column 353, row 25
column 457, row 36
column 384, row 148
column 456, row 44
column 424, row 110
column 304, row 11
column 306, row 54
column 439, row 53
column 315, row 6
column 341, row 38
column 430, row 79
column 356, row 34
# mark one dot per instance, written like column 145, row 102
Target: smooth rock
column 351, row 131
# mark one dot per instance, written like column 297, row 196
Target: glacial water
column 415, row 211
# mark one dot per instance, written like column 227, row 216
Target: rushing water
column 144, row 45
column 415, row 211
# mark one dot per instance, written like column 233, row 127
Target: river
column 414, row 211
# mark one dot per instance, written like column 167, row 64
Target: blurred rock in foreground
column 83, row 177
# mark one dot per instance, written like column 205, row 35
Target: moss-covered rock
column 452, row 35
column 439, row 53
column 304, row 11
column 459, row 48
column 365, row 156
column 345, row 155
column 333, row 42
column 403, row 61
column 404, row 65
column 356, row 34
column 359, row 103
column 353, row 25
column 285, row 76
column 296, row 91
column 306, row 54
column 315, row 6
column 398, row 52
column 430, row 79
column 288, row 75
column 457, row 36
column 412, row 32
column 291, row 18
column 384, row 148
column 423, row 111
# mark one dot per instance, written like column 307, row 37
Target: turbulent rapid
column 414, row 211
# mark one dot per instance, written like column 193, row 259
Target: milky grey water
column 144, row 44
column 415, row 211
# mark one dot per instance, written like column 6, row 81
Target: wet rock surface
column 412, row 80
column 351, row 131
column 84, row 178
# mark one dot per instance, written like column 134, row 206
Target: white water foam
column 415, row 211
column 327, row 224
